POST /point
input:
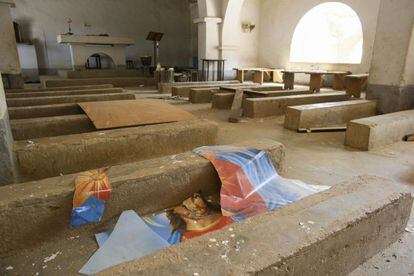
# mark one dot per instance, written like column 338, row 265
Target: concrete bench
column 15, row 102
column 202, row 95
column 24, row 129
column 145, row 186
column 107, row 73
column 329, row 233
column 379, row 131
column 264, row 107
column 259, row 74
column 51, row 156
column 335, row 114
column 166, row 88
column 184, row 91
column 223, row 100
column 355, row 84
column 64, row 93
column 27, row 112
column 74, row 87
column 117, row 82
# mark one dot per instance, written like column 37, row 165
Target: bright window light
column 328, row 33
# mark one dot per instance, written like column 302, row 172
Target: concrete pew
column 74, row 87
column 117, row 82
column 223, row 100
column 145, row 186
column 51, row 156
column 107, row 73
column 64, row 93
column 166, row 88
column 184, row 91
column 329, row 233
column 15, row 102
column 24, row 129
column 27, row 112
column 379, row 131
column 202, row 95
column 335, row 114
column 264, row 107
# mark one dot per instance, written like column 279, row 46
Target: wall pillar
column 391, row 80
column 9, row 58
column 7, row 164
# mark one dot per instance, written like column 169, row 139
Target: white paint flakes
column 51, row 257
column 212, row 240
column 9, row 267
column 196, row 274
column 409, row 229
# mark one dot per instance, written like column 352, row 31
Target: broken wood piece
column 236, row 108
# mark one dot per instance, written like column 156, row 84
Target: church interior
column 207, row 137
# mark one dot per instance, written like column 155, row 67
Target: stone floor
column 316, row 158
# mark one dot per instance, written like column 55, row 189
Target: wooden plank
column 236, row 108
column 113, row 114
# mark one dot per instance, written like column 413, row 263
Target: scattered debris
column 9, row 268
column 409, row 229
column 51, row 257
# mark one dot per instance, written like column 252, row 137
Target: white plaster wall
column 43, row 20
column 9, row 59
column 278, row 22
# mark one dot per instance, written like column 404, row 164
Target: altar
column 84, row 46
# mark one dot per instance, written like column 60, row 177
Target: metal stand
column 205, row 69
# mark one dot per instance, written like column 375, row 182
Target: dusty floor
column 316, row 158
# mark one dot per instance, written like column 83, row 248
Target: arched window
column 329, row 33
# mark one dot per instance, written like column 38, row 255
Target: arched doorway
column 329, row 33
column 99, row 61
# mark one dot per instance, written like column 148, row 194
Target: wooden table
column 355, row 84
column 258, row 76
column 315, row 82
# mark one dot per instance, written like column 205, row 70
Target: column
column 391, row 80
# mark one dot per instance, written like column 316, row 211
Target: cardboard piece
column 113, row 114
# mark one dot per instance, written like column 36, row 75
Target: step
column 64, row 93
column 117, row 82
column 335, row 114
column 272, row 106
column 145, row 186
column 328, row 233
column 24, row 129
column 52, row 156
column 73, row 87
column 27, row 112
column 379, row 131
column 68, row 99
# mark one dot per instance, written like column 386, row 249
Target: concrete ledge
column 335, row 114
column 64, row 93
column 166, row 88
column 24, row 129
column 378, row 131
column 79, row 152
column 351, row 222
column 117, row 82
column 264, row 107
column 27, row 112
column 74, row 87
column 15, row 102
column 277, row 93
column 43, row 207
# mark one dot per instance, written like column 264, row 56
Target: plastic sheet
column 92, row 190
column 250, row 183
